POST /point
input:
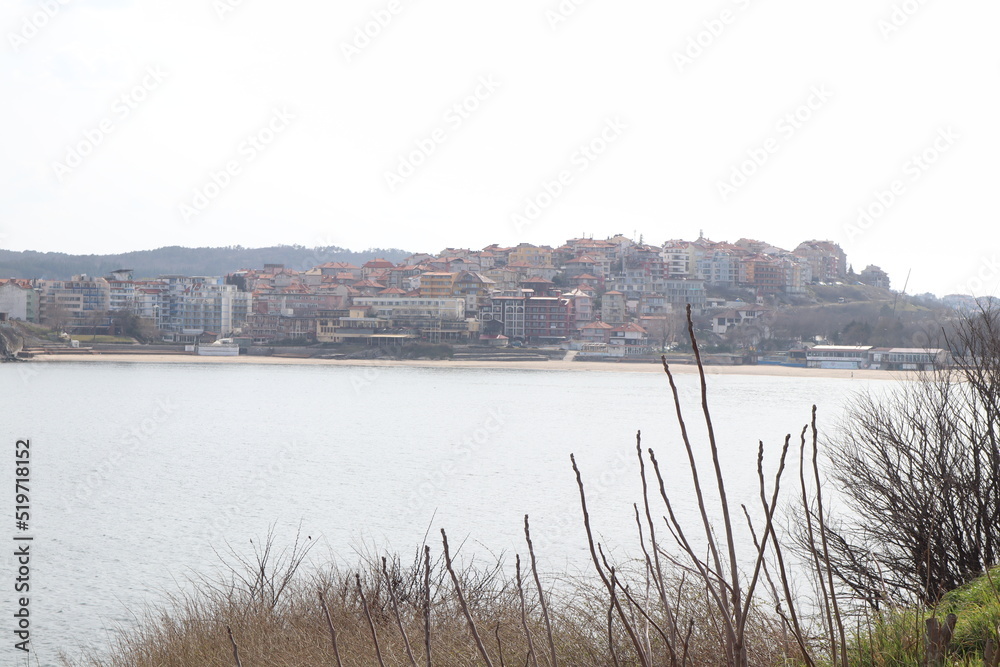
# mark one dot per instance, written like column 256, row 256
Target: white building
column 851, row 357
column 416, row 307
column 200, row 304
column 18, row 300
column 908, row 358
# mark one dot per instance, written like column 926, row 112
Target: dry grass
column 294, row 632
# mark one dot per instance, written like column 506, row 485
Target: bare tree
column 95, row 320
column 661, row 329
column 919, row 468
column 56, row 316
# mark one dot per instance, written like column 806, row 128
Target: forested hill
column 182, row 261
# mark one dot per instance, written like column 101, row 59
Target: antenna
column 905, row 283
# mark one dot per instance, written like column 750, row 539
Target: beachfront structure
column 851, row 357
column 404, row 309
column 391, row 319
column 908, row 358
column 629, row 340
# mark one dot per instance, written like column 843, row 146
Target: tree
column 95, row 320
column 919, row 468
column 661, row 329
column 237, row 279
column 130, row 324
column 56, row 316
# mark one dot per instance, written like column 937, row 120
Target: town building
column 719, row 266
column 827, row 261
column 763, row 274
column 614, row 308
column 547, row 319
column 474, row 288
column 437, row 284
column 596, row 333
column 504, row 314
column 682, row 292
column 82, row 302
column 18, row 300
column 726, row 320
column 874, row 276
column 629, row 340
column 193, row 305
column 530, row 255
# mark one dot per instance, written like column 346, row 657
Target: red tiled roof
column 631, row 326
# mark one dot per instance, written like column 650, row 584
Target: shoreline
column 552, row 365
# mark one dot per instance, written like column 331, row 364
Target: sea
column 145, row 477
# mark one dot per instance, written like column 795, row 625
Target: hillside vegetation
column 181, row 261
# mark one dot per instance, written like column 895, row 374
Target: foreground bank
column 552, row 365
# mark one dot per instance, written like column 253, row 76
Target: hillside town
column 614, row 298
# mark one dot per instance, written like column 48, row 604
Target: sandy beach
column 575, row 366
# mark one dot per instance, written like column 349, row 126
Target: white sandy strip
column 651, row 367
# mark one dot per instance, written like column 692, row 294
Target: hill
column 179, row 260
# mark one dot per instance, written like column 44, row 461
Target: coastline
column 560, row 365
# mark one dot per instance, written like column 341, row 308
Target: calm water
column 139, row 470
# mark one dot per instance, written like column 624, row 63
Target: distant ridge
column 179, row 260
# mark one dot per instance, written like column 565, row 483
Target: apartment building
column 826, row 259
column 76, row 303
column 547, row 319
column 198, row 304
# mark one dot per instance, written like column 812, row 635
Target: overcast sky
column 422, row 124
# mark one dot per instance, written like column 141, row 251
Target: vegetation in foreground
column 279, row 622
column 694, row 604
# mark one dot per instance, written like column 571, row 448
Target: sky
column 421, row 124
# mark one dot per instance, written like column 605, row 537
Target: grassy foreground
column 899, row 636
